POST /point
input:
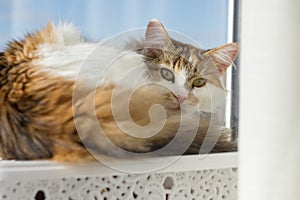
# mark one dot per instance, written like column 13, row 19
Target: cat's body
column 39, row 110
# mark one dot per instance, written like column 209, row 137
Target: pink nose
column 181, row 98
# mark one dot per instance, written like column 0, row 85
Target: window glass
column 205, row 20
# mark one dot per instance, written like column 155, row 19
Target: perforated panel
column 213, row 184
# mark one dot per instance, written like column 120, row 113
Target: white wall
column 270, row 100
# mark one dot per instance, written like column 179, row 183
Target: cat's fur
column 37, row 77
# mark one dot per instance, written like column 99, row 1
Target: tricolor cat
column 42, row 118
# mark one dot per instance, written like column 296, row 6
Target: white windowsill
column 16, row 170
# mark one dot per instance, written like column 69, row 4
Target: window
column 210, row 23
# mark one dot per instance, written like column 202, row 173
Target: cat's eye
column 167, row 74
column 199, row 82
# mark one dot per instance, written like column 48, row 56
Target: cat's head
column 190, row 72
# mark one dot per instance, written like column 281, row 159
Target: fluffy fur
column 38, row 111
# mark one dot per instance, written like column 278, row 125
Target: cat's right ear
column 156, row 37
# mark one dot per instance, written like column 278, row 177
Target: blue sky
column 203, row 20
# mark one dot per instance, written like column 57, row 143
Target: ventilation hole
column 40, row 195
column 63, row 179
column 128, row 187
column 118, row 187
column 223, row 197
column 217, row 190
column 88, row 191
column 134, row 195
column 168, row 183
column 104, row 198
column 123, row 194
column 141, row 187
column 225, row 186
column 148, row 178
column 115, row 177
column 14, row 190
column 78, row 179
column 64, row 191
column 108, row 189
column 4, row 196
column 167, row 196
column 192, row 191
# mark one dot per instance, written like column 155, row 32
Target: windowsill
column 12, row 170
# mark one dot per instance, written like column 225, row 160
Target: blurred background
column 205, row 20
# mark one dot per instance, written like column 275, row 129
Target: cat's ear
column 223, row 56
column 156, row 37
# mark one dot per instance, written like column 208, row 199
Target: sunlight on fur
column 41, row 117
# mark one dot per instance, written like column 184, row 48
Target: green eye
column 167, row 74
column 199, row 82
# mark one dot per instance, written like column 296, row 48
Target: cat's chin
column 174, row 108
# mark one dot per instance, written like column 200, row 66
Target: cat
column 47, row 113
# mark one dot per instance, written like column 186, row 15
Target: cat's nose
column 181, row 98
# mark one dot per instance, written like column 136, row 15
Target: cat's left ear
column 224, row 55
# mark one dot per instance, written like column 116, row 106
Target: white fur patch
column 180, row 79
column 70, row 54
column 67, row 33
